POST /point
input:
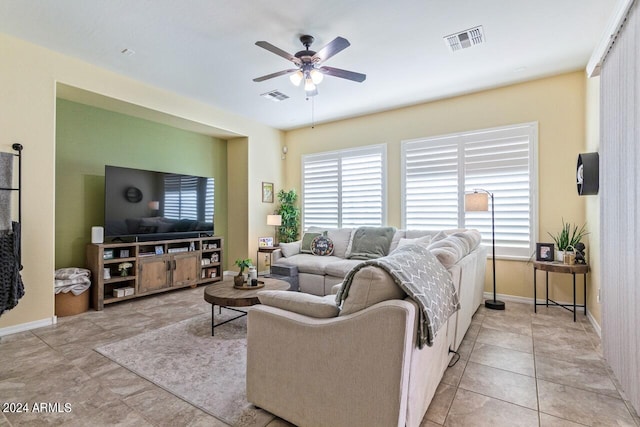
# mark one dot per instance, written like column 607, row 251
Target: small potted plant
column 242, row 264
column 567, row 238
column 124, row 267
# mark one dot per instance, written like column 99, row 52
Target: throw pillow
column 290, row 249
column 307, row 238
column 371, row 242
column 321, row 246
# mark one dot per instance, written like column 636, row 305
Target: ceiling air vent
column 465, row 39
column 274, row 95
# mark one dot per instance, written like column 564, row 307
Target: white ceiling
column 204, row 49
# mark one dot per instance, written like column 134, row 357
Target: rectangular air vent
column 274, row 95
column 464, row 39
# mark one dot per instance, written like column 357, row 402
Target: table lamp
column 276, row 221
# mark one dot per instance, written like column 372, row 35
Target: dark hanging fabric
column 11, row 286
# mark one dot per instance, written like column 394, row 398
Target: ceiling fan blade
column 272, row 75
column 344, row 74
column 336, row 45
column 271, row 48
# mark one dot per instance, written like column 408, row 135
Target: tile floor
column 516, row 368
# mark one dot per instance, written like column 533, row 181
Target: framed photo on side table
column 265, row 242
column 544, row 251
column 267, row 192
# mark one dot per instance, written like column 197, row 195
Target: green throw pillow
column 307, row 238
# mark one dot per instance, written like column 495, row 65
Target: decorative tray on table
column 247, row 287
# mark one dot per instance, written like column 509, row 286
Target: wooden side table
column 558, row 267
column 267, row 250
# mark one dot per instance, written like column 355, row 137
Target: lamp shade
column 476, row 202
column 274, row 220
column 154, row 205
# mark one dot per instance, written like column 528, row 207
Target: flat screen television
column 149, row 205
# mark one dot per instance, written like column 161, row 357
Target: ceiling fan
column 308, row 63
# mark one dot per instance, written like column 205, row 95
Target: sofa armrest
column 345, row 371
column 276, row 255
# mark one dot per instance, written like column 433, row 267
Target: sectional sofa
column 314, row 361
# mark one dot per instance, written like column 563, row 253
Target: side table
column 558, row 267
column 266, row 250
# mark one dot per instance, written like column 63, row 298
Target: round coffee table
column 223, row 294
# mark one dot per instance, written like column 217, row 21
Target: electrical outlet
column 598, row 296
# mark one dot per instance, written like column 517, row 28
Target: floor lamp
column 479, row 201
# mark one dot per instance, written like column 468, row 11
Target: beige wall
column 28, row 76
column 592, row 124
column 556, row 103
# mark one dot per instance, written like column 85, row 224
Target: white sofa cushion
column 308, row 263
column 370, row 286
column 301, row 303
column 472, row 237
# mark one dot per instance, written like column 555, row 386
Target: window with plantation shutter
column 188, row 197
column 344, row 188
column 438, row 171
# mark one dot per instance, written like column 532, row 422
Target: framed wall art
column 267, row 192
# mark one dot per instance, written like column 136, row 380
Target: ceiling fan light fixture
column 309, row 86
column 316, row 76
column 296, row 78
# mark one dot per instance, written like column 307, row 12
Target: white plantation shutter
column 320, row 184
column 431, row 185
column 344, row 188
column 437, row 172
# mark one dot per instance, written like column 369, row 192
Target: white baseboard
column 28, row 326
column 526, row 300
column 595, row 325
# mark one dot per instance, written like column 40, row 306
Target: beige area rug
column 184, row 359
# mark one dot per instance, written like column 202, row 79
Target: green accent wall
column 88, row 138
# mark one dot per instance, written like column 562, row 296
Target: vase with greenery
column 242, row 264
column 290, row 213
column 568, row 237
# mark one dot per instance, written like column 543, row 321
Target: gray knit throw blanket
column 425, row 280
column 11, row 286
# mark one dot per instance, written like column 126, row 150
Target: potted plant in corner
column 240, row 278
column 290, row 213
column 568, row 237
